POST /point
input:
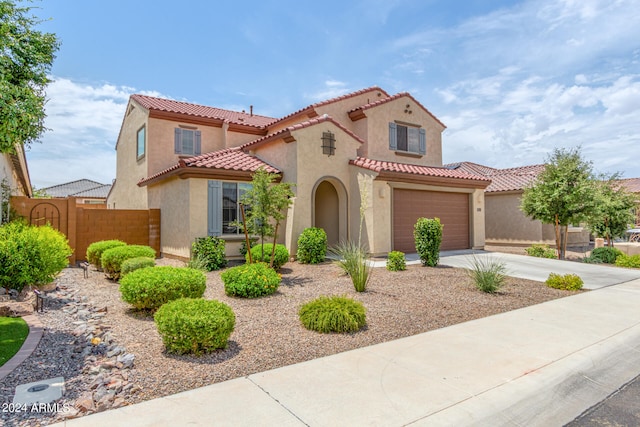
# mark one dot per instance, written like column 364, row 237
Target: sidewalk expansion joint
column 278, row 402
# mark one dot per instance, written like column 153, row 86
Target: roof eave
column 432, row 180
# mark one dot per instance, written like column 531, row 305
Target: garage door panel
column 451, row 208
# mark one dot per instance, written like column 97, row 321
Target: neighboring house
column 193, row 163
column 85, row 191
column 505, row 223
column 633, row 186
column 14, row 173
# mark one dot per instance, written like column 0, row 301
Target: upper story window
column 187, row 141
column 140, row 143
column 406, row 138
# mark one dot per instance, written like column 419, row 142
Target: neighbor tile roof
column 631, row 184
column 171, row 106
column 442, row 172
column 228, row 159
column 100, row 192
column 511, row 179
column 73, row 188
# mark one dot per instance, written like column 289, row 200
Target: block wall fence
column 83, row 226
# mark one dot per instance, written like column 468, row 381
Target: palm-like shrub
column 352, row 258
column 262, row 253
column 312, row 246
column 113, row 258
column 96, row 249
column 250, row 280
column 488, row 275
column 428, row 238
column 194, row 325
column 150, row 288
column 333, row 314
column 396, row 261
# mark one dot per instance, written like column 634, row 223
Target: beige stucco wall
column 171, row 198
column 7, row 173
column 377, row 133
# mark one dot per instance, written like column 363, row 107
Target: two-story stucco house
column 193, row 162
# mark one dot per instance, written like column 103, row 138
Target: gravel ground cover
column 268, row 333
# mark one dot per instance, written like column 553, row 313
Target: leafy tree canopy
column 612, row 214
column 25, row 60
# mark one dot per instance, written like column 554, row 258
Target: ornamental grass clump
column 150, row 288
column 396, row 261
column 250, row 280
column 312, row 246
column 333, row 314
column 352, row 258
column 195, row 326
column 262, row 253
column 489, row 275
column 568, row 282
column 133, row 264
column 113, row 258
column 96, row 249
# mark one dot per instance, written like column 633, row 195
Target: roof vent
column 251, row 110
column 325, row 116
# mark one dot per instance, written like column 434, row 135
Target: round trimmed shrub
column 605, row 254
column 333, row 314
column 396, row 261
column 568, row 282
column 96, row 249
column 133, row 264
column 210, row 251
column 113, row 258
column 280, row 257
column 150, row 288
column 250, row 280
column 195, row 326
column 312, row 246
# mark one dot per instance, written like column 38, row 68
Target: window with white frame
column 406, row 138
column 224, row 206
column 187, row 142
column 140, row 143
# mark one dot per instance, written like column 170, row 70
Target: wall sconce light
column 328, row 143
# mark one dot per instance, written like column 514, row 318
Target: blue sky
column 511, row 79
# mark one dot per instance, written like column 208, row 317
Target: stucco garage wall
column 505, row 222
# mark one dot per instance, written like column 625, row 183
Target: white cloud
column 332, row 89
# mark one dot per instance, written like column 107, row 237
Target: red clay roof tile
column 379, row 166
column 631, row 184
column 511, row 179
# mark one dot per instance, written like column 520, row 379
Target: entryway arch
column 330, row 209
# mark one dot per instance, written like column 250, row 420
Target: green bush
column 259, row 255
column 194, row 325
column 489, row 275
column 96, row 249
column 31, row 255
column 428, row 237
column 150, row 288
column 396, row 261
column 312, row 246
column 133, row 264
column 113, row 258
column 333, row 314
column 607, row 255
column 541, row 251
column 250, row 280
column 629, row 261
column 210, row 249
column 568, row 282
column 243, row 246
column 351, row 257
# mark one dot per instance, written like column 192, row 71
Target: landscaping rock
column 15, row 309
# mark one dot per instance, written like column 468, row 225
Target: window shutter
column 393, row 141
column 214, row 208
column 423, row 141
column 177, row 141
column 196, row 148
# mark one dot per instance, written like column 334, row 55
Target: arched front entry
column 330, row 209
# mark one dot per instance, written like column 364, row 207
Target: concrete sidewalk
column 541, row 365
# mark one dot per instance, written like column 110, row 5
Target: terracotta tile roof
column 171, row 106
column 631, row 184
column 330, row 101
column 393, row 98
column 73, row 188
column 442, row 172
column 308, row 123
column 228, row 159
column 511, row 179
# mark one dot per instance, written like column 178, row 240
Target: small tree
column 267, row 202
column 562, row 194
column 612, row 212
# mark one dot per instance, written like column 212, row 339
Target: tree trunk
column 246, row 233
column 273, row 247
column 565, row 240
column 558, row 242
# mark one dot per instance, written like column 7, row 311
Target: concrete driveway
column 595, row 276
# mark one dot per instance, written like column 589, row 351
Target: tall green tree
column 562, row 194
column 26, row 56
column 612, row 214
column 266, row 202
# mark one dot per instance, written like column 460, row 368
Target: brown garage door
column 451, row 208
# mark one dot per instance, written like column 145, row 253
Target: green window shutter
column 177, row 141
column 197, row 143
column 393, row 141
column 214, row 208
column 423, row 141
